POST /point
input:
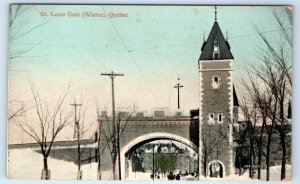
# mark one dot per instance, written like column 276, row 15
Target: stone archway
column 148, row 138
column 216, row 169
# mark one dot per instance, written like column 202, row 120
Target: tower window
column 216, row 82
column 220, row 118
column 216, row 51
column 211, row 119
column 216, row 48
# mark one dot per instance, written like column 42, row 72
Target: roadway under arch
column 137, row 142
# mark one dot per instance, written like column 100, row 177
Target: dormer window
column 216, row 52
column 216, row 48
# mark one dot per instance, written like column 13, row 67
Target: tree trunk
column 45, row 171
column 283, row 158
column 240, row 164
column 259, row 163
column 45, row 163
column 118, row 152
column 251, row 155
column 98, row 156
column 114, row 165
column 204, row 163
column 79, row 173
column 268, row 159
column 99, row 167
column 259, row 145
column 282, row 135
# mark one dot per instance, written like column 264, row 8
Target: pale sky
column 152, row 47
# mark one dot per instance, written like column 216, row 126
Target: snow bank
column 274, row 175
column 28, row 164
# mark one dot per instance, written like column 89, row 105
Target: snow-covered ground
column 274, row 175
column 28, row 164
column 146, row 176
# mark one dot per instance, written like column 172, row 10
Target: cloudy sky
column 152, row 46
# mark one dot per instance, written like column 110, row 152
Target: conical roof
column 207, row 47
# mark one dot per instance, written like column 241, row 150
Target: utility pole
column 99, row 150
column 76, row 126
column 153, row 162
column 75, row 107
column 115, row 143
column 178, row 86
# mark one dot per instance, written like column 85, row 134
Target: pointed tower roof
column 215, row 35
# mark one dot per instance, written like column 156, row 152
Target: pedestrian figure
column 171, row 176
column 177, row 177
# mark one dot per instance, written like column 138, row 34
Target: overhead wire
column 129, row 52
column 140, row 49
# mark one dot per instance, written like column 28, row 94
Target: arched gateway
column 135, row 143
column 216, row 169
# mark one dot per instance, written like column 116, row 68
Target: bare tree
column 98, row 134
column 275, row 71
column 50, row 120
column 16, row 109
column 257, row 114
column 101, row 138
column 16, row 32
column 112, row 135
column 269, row 87
column 18, row 29
column 80, row 130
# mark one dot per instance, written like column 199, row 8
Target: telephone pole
column 76, row 126
column 178, row 86
column 115, row 138
column 76, row 122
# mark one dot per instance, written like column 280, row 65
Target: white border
column 3, row 76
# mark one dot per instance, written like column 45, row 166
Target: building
column 218, row 105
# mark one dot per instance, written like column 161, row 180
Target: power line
column 71, row 47
column 263, row 32
column 141, row 49
column 129, row 52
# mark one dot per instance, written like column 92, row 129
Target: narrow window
column 220, row 118
column 216, row 82
column 211, row 119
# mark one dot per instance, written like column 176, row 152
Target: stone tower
column 216, row 110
